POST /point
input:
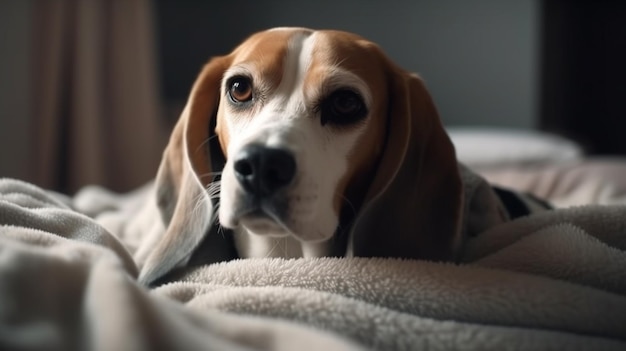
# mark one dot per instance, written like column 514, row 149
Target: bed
column 553, row 280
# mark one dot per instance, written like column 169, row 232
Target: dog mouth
column 266, row 218
column 263, row 225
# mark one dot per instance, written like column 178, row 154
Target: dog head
column 316, row 134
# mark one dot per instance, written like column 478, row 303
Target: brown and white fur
column 329, row 148
column 289, row 86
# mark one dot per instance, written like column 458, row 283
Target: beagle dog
column 305, row 143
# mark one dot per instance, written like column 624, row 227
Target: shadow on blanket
column 554, row 280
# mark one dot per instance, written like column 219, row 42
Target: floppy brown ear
column 183, row 176
column 413, row 206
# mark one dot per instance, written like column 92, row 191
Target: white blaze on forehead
column 296, row 63
column 276, row 29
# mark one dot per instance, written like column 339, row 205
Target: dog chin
column 259, row 222
column 268, row 227
column 264, row 227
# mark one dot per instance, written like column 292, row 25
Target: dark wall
column 479, row 58
column 15, row 88
column 584, row 72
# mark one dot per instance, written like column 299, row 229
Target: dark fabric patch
column 539, row 201
column 512, row 202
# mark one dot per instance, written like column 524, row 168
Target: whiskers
column 213, row 188
column 208, row 201
column 346, row 216
column 349, row 204
column 276, row 245
column 213, row 191
column 205, row 142
column 215, row 176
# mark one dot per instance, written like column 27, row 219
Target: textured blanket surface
column 68, row 268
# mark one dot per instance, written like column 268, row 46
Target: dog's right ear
column 414, row 206
column 184, row 176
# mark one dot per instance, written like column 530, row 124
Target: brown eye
column 345, row 103
column 342, row 107
column 240, row 89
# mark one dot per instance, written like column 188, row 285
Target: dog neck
column 251, row 245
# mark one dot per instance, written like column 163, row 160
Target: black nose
column 262, row 171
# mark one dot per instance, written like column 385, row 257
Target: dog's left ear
column 184, row 174
column 413, row 206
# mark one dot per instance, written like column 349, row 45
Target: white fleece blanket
column 555, row 280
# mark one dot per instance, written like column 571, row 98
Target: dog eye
column 240, row 89
column 342, row 107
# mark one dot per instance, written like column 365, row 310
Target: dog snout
column 262, row 171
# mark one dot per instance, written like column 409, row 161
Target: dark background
column 480, row 58
column 583, row 72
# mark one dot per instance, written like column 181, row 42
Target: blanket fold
column 554, row 280
column 426, row 289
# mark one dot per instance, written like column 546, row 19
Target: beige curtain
column 96, row 110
